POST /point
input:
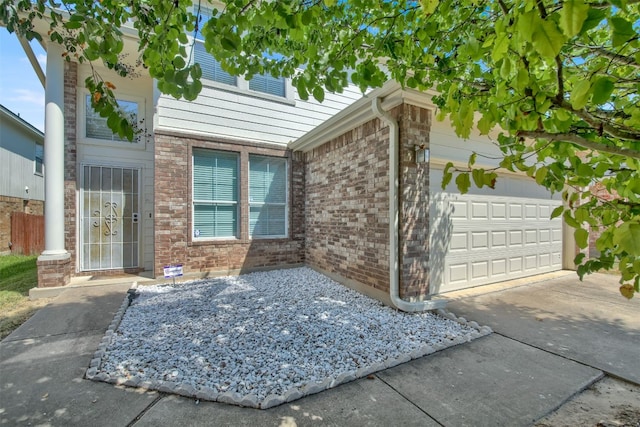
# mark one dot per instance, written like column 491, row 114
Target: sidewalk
column 552, row 339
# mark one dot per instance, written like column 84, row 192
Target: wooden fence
column 27, row 233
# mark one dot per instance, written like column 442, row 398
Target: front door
column 110, row 218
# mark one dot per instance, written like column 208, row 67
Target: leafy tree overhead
column 558, row 79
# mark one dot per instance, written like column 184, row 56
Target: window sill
column 246, row 92
column 113, row 144
column 254, row 240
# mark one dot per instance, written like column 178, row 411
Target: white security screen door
column 109, row 200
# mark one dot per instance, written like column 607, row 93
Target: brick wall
column 14, row 204
column 173, row 204
column 70, row 166
column 347, row 206
column 413, row 206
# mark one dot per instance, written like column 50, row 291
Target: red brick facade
column 173, row 212
column 70, row 164
column 413, row 206
column 54, row 272
column 347, row 208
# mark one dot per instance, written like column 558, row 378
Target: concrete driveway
column 553, row 338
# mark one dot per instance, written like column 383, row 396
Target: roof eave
column 391, row 93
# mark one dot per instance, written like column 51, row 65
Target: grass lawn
column 18, row 274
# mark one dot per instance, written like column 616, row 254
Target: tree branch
column 597, row 124
column 583, row 142
column 559, row 76
column 504, row 7
column 616, row 57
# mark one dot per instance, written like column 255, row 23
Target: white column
column 54, row 247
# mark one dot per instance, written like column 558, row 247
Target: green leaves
column 547, row 39
column 627, row 238
column 580, row 94
column 572, row 16
column 602, row 89
column 463, row 182
column 622, row 30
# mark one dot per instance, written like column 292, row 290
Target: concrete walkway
column 553, row 338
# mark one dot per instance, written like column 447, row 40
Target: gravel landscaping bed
column 263, row 339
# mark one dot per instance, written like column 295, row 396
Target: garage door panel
column 458, row 273
column 544, row 236
column 458, row 210
column 544, row 260
column 498, row 210
column 480, row 270
column 498, row 239
column 480, row 240
column 545, row 211
column 531, row 237
column 459, row 242
column 515, row 210
column 531, row 262
column 479, row 211
column 499, row 267
column 531, row 211
column 515, row 264
column 515, row 238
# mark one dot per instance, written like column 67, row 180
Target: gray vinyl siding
column 17, row 161
column 246, row 115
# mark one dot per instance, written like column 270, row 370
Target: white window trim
column 286, row 201
column 82, row 123
column 237, row 203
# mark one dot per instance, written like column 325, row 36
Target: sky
column 20, row 88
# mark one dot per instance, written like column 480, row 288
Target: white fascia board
column 360, row 112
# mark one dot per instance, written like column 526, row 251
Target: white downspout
column 394, row 287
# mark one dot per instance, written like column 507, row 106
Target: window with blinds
column 211, row 69
column 267, row 196
column 268, row 84
column 96, row 126
column 215, row 194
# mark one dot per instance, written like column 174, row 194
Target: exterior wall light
column 422, row 154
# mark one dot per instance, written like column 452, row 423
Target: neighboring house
column 249, row 176
column 22, row 166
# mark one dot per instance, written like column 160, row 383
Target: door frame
column 79, row 214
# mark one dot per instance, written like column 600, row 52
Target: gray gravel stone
column 263, row 338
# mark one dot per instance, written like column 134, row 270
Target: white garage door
column 493, row 235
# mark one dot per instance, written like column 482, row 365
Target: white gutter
column 394, row 271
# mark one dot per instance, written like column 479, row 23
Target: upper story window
column 38, row 166
column 215, row 194
column 268, row 84
column 211, row 68
column 96, row 126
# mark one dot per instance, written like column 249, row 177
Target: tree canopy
column 558, row 79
